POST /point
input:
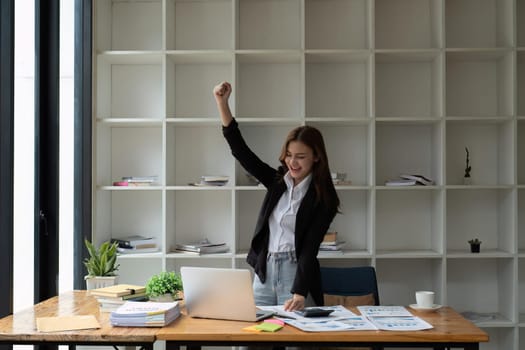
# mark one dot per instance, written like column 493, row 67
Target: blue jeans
column 280, row 273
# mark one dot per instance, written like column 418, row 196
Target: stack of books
column 149, row 314
column 212, row 180
column 340, row 179
column 410, row 180
column 202, row 247
column 136, row 244
column 111, row 298
column 136, row 181
column 331, row 243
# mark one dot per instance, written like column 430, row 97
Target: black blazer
column 312, row 221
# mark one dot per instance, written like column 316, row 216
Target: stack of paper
column 145, row 314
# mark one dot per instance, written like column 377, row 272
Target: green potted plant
column 101, row 265
column 164, row 286
column 466, row 177
column 474, row 245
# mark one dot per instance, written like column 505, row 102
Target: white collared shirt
column 282, row 219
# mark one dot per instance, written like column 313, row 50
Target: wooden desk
column 450, row 330
column 20, row 328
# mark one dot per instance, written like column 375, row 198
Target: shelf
column 467, row 277
column 485, row 74
column 194, row 151
column 490, row 148
column 474, row 23
column 420, row 95
column 414, row 225
column 118, row 149
column 121, row 213
column 422, row 142
column 350, row 92
column 408, row 24
column 337, row 24
column 483, row 214
column 190, row 78
column 128, row 25
column 130, row 89
column 207, row 214
column 189, row 24
column 269, row 24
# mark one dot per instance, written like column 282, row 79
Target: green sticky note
column 268, row 327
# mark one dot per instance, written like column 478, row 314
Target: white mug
column 425, row 298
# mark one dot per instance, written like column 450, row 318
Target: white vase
column 467, row 180
column 94, row 282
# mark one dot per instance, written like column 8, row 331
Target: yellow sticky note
column 268, row 327
column 252, row 329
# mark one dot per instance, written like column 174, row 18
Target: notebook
column 220, row 293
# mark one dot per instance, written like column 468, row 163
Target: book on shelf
column 331, row 242
column 330, row 247
column 202, row 247
column 138, row 250
column 136, row 181
column 145, row 314
column 135, row 241
column 150, row 179
column 212, row 180
column 118, row 290
column 401, row 182
column 330, row 237
column 420, row 179
column 131, row 184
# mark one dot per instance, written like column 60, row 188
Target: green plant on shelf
column 101, row 261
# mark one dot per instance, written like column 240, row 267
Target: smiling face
column 300, row 160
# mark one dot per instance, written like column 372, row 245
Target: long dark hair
column 321, row 177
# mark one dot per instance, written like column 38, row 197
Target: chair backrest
column 355, row 281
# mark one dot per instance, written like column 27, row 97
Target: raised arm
column 222, row 93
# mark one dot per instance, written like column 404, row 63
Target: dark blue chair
column 355, row 281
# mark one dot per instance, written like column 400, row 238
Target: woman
column 298, row 208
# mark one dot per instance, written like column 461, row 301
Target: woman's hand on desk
column 296, row 303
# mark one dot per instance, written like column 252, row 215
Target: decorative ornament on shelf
column 101, row 265
column 164, row 286
column 474, row 245
column 466, row 178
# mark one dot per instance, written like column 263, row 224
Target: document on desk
column 66, row 323
column 390, row 318
column 341, row 319
column 393, row 318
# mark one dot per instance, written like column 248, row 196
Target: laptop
column 220, row 293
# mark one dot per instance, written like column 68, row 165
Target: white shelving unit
column 395, row 86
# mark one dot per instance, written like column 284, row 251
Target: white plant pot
column 168, row 297
column 94, row 282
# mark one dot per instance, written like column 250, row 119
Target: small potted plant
column 474, row 245
column 466, row 178
column 101, row 265
column 164, row 286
